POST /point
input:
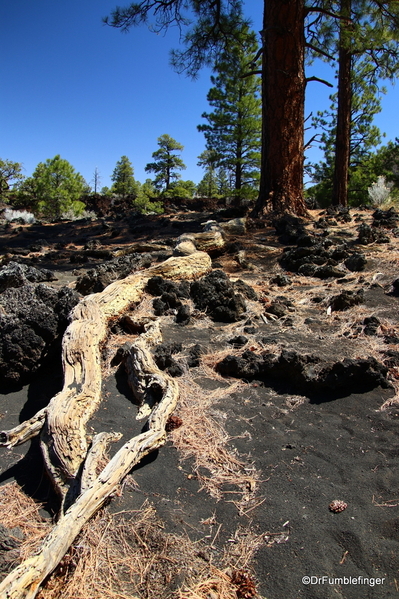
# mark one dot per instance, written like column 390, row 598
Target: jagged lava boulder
column 33, row 316
column 306, row 374
column 97, row 279
column 215, row 294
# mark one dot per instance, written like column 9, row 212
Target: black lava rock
column 34, row 319
column 16, row 275
column 238, row 340
column 277, row 309
column 346, row 300
column 369, row 235
column 215, row 295
column 158, row 286
column 245, row 289
column 289, row 228
column 389, row 219
column 305, row 374
column 97, row 279
column 164, row 360
column 183, row 315
column 194, row 356
column 356, row 263
column 371, row 324
column 328, row 271
column 281, row 280
column 248, row 366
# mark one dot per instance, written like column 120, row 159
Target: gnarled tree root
column 64, row 442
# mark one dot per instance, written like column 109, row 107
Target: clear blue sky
column 73, row 86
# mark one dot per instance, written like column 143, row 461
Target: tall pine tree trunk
column 283, row 99
column 343, row 136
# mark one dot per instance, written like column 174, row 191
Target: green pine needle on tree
column 54, row 189
column 233, row 130
column 166, row 163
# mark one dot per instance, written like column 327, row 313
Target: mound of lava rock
column 97, row 279
column 33, row 318
column 317, row 256
column 306, row 374
column 214, row 294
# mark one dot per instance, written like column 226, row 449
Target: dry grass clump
column 128, row 555
column 203, row 439
column 232, row 579
column 18, row 510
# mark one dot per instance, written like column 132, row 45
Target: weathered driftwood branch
column 65, row 446
column 24, row 581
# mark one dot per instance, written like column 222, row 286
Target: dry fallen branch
column 110, row 558
column 64, row 442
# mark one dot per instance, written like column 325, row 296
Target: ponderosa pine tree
column 10, row 175
column 166, row 162
column 124, row 183
column 367, row 28
column 208, row 186
column 283, row 79
column 357, row 32
column 54, row 188
column 233, row 131
column 283, row 72
column 364, row 137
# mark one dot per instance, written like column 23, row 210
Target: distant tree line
column 350, row 34
column 254, row 134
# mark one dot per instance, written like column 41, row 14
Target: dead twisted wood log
column 64, row 443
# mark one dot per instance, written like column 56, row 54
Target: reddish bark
column 283, row 99
column 343, row 135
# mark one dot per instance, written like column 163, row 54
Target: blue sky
column 75, row 87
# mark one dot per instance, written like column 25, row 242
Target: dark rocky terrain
column 290, row 345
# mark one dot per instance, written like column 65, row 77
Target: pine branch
column 319, row 80
column 319, row 51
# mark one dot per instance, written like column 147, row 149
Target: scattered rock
column 371, row 325
column 340, row 213
column 164, row 360
column 238, row 341
column 328, row 271
column 215, row 295
column 346, row 300
column 277, row 308
column 194, row 356
column 97, row 279
column 183, row 315
column 356, row 262
column 389, row 219
column 281, row 280
column 158, row 286
column 368, row 235
column 289, row 228
column 245, row 289
column 16, row 275
column 166, row 302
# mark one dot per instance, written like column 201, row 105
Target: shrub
column 19, row 215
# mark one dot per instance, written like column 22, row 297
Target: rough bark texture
column 283, row 97
column 342, row 141
column 65, row 446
